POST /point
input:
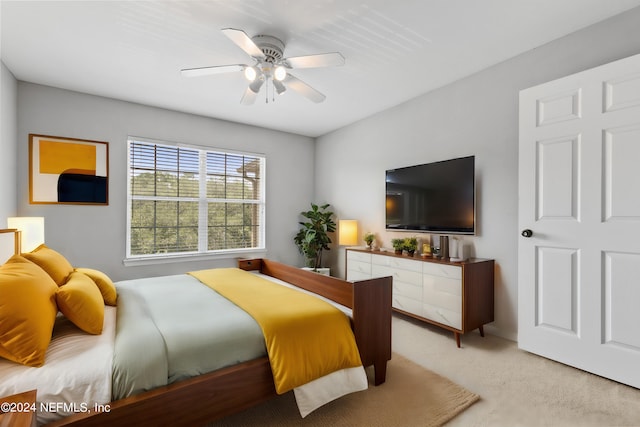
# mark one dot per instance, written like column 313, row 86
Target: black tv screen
column 435, row 197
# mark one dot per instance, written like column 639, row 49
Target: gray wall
column 8, row 107
column 477, row 116
column 94, row 236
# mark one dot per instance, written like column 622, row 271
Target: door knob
column 527, row 233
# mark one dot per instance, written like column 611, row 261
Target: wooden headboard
column 9, row 243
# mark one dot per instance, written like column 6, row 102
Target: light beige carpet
column 411, row 396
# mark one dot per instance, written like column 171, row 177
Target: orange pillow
column 81, row 302
column 105, row 284
column 52, row 262
column 27, row 311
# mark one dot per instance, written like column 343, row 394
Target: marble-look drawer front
column 442, row 270
column 406, row 276
column 397, row 263
column 358, row 256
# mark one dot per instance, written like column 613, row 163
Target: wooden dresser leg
column 481, row 330
column 380, row 372
column 457, row 335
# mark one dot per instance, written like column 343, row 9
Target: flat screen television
column 435, row 197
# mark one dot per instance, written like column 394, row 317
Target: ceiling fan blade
column 249, row 97
column 312, row 61
column 244, row 42
column 303, row 89
column 205, row 71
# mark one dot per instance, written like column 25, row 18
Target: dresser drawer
column 407, row 290
column 407, row 304
column 442, row 284
column 451, row 302
column 397, row 263
column 442, row 270
column 358, row 256
column 360, row 266
column 442, row 315
column 356, row 275
column 406, row 276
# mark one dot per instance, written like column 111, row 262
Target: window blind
column 193, row 200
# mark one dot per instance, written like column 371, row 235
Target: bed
column 207, row 397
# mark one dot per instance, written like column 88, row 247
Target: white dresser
column 457, row 296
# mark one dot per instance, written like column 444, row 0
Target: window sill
column 150, row 260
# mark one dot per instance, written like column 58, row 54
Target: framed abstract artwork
column 68, row 171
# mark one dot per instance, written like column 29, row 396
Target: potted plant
column 369, row 237
column 312, row 238
column 398, row 245
column 410, row 245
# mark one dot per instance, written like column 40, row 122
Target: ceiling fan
column 269, row 65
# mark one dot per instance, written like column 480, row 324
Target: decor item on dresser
column 255, row 359
column 458, row 250
column 369, row 238
column 444, row 247
column 68, row 171
column 347, row 232
column 410, row 245
column 313, row 237
column 398, row 245
column 457, row 296
column 426, row 249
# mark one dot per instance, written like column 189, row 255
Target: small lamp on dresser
column 347, row 232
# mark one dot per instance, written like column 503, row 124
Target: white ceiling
column 394, row 50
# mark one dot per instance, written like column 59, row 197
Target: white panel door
column 579, row 215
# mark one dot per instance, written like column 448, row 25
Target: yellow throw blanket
column 306, row 338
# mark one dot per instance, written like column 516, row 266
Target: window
column 184, row 200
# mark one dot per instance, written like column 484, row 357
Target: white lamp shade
column 32, row 229
column 347, row 232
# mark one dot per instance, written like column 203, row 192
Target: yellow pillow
column 81, row 302
column 52, row 262
column 27, row 311
column 106, row 286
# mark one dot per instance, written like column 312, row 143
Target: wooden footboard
column 212, row 396
column 191, row 402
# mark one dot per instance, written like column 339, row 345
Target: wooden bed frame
column 215, row 395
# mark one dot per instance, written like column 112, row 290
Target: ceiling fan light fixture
column 280, row 87
column 279, row 73
column 256, row 85
column 250, row 73
column 269, row 65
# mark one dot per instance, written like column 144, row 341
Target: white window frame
column 202, row 253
